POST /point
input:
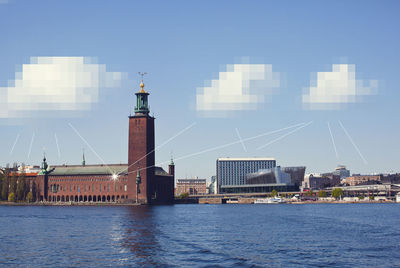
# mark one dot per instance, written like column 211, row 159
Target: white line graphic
column 30, row 146
column 58, row 147
column 352, row 142
column 283, row 136
column 15, row 142
column 90, row 147
column 333, row 141
column 223, row 146
column 161, row 145
column 241, row 141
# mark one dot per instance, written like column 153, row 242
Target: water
column 317, row 235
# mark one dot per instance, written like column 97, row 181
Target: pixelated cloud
column 333, row 90
column 240, row 87
column 61, row 85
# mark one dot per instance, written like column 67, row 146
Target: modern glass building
column 233, row 171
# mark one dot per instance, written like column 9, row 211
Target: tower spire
column 142, row 87
column 171, row 167
column 83, row 157
column 141, row 83
column 43, row 169
column 142, row 106
column 172, row 161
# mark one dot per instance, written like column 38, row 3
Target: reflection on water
column 201, row 236
column 139, row 232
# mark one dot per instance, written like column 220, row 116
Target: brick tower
column 141, row 150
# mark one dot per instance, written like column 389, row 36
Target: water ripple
column 201, row 236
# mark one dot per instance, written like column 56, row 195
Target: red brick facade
column 191, row 186
column 114, row 183
column 87, row 188
column 141, row 155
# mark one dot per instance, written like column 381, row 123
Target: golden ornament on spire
column 142, row 84
column 141, row 87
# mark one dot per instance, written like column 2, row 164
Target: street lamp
column 138, row 181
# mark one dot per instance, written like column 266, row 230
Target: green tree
column 309, row 193
column 274, row 193
column 13, row 183
column 371, row 197
column 5, row 185
column 337, row 193
column 360, row 197
column 1, row 183
column 21, row 187
column 34, row 191
column 29, row 197
column 11, row 197
column 183, row 195
column 322, row 193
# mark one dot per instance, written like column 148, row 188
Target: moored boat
column 271, row 200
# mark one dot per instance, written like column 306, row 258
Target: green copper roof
column 160, row 171
column 97, row 170
column 89, row 170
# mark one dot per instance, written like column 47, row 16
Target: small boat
column 272, row 200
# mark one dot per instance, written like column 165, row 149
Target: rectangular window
column 125, row 188
column 85, row 187
column 108, row 187
column 100, row 187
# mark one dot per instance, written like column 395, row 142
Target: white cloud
column 240, row 87
column 332, row 90
column 57, row 84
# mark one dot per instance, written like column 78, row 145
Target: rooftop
column 89, row 169
column 246, row 159
column 66, row 170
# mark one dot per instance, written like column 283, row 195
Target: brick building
column 319, row 181
column 138, row 181
column 191, row 186
column 362, row 179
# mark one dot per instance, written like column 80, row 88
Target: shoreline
column 64, row 204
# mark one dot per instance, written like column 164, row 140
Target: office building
column 233, row 171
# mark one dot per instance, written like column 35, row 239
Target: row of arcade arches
column 87, row 198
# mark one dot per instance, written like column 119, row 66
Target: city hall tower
column 141, row 150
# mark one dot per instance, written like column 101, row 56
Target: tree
column 309, row 193
column 1, row 183
column 34, row 191
column 13, row 183
column 371, row 197
column 21, row 187
column 337, row 193
column 29, row 197
column 322, row 193
column 274, row 193
column 183, row 195
column 360, row 197
column 5, row 184
column 11, row 197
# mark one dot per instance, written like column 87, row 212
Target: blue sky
column 184, row 44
